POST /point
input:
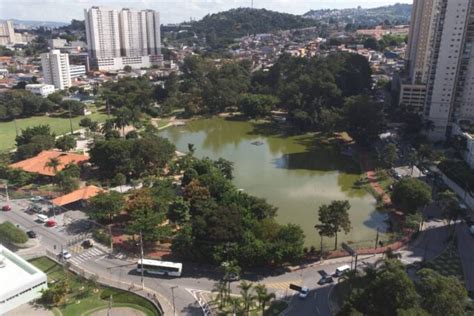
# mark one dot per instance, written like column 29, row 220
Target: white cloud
column 171, row 11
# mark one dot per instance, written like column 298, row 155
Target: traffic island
column 74, row 295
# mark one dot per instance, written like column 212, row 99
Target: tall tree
column 441, row 295
column 335, row 218
column 411, row 194
column 263, row 297
column 449, row 205
column 247, row 296
column 390, row 154
column 105, row 206
column 363, row 118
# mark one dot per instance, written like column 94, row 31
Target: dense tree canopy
column 225, row 224
column 221, row 28
column 131, row 157
column 411, row 194
column 388, row 290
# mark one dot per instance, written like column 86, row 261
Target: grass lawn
column 58, row 125
column 84, row 302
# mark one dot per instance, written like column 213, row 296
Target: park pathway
column 368, row 167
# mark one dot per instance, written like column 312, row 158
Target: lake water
column 296, row 174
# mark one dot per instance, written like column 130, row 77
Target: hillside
column 394, row 14
column 242, row 21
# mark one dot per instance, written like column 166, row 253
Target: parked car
column 36, row 199
column 65, row 255
column 471, row 230
column 326, row 280
column 51, row 223
column 6, row 208
column 88, row 243
column 31, row 234
column 341, row 270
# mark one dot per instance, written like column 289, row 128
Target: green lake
column 297, row 174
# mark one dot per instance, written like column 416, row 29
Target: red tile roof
column 38, row 163
column 84, row 193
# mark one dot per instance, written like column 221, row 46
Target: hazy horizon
column 171, row 11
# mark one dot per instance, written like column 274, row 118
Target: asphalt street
column 184, row 292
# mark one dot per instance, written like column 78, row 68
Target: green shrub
column 11, row 234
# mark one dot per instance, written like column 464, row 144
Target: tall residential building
column 7, row 33
column 441, row 61
column 102, row 32
column 56, row 69
column 129, row 37
column 9, row 37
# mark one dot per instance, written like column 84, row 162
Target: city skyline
column 171, row 11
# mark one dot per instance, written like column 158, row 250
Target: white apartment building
column 76, row 71
column 7, row 33
column 102, row 32
column 441, row 57
column 21, row 281
column 56, row 69
column 119, row 38
column 9, row 37
column 40, row 89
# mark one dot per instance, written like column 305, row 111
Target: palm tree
column 53, row 163
column 247, row 296
column 123, row 118
column 107, row 126
column 221, row 289
column 263, row 296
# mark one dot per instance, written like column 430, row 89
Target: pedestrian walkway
column 87, row 255
column 283, row 285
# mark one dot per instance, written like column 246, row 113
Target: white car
column 36, row 199
column 65, row 255
column 304, row 292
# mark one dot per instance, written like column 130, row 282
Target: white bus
column 159, row 267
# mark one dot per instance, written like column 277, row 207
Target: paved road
column 185, row 290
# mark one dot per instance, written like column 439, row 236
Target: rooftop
column 38, row 163
column 84, row 193
column 16, row 273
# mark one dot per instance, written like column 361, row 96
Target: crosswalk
column 86, row 255
column 283, row 285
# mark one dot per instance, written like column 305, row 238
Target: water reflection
column 295, row 173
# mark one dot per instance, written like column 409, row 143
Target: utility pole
column 70, row 118
column 6, row 193
column 141, row 255
column 376, row 240
column 110, row 305
column 172, row 294
column 252, row 4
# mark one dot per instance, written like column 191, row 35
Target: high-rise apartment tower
column 56, row 69
column 441, row 62
column 118, row 38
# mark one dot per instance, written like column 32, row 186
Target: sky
column 172, row 11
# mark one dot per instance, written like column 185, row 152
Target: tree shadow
column 273, row 129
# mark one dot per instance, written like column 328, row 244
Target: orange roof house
column 38, row 164
column 81, row 194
